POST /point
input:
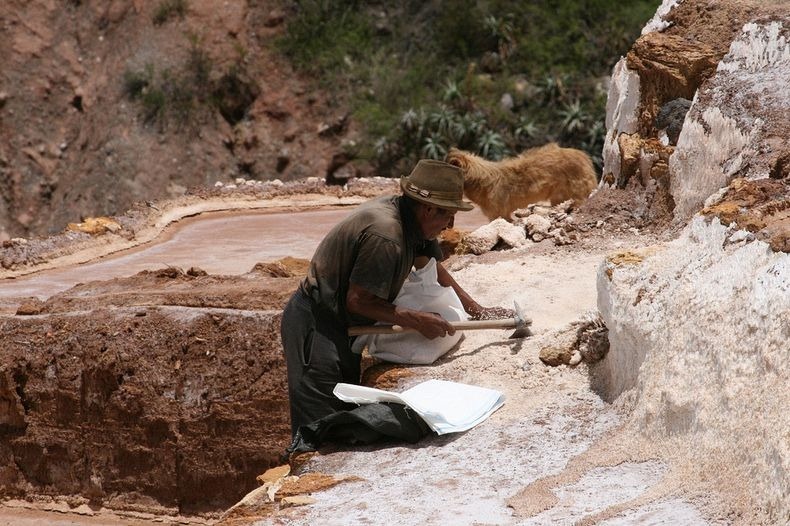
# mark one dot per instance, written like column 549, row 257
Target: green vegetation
column 494, row 77
column 168, row 9
column 186, row 96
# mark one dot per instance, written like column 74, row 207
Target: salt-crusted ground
column 555, row 453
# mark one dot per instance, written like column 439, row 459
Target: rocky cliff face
column 739, row 112
column 699, row 326
column 106, row 103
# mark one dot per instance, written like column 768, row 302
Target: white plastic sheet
column 447, row 407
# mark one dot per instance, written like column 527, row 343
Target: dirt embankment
column 161, row 391
column 90, row 115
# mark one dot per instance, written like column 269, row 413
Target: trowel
column 519, row 322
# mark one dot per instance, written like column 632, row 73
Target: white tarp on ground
column 447, row 407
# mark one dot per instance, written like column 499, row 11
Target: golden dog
column 547, row 173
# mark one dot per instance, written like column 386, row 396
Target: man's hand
column 429, row 324
column 473, row 308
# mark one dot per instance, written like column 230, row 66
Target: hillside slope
column 76, row 139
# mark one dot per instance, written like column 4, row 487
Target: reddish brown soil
column 69, row 132
column 157, row 391
column 162, row 392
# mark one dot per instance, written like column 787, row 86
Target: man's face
column 434, row 219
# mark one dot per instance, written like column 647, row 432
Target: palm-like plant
column 442, row 121
column 595, row 133
column 410, row 120
column 573, row 116
column 452, row 92
column 382, row 147
column 502, row 30
column 468, row 129
column 433, row 148
column 526, row 129
column 491, row 145
column 552, row 87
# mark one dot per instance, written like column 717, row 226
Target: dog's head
column 458, row 158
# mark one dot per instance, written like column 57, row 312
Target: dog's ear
column 457, row 158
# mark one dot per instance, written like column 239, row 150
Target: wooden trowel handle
column 458, row 325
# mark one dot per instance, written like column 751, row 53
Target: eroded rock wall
column 699, row 74
column 699, row 327
column 699, row 333
column 739, row 124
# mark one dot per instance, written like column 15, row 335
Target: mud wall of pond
column 699, row 327
column 167, row 408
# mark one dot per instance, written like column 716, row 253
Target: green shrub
column 188, row 95
column 424, row 76
column 135, row 82
column 154, row 103
column 168, row 9
column 328, row 36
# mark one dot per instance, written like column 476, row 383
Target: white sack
column 422, row 292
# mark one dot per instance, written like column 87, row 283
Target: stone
column 671, row 116
column 555, row 356
column 781, row 167
column 576, row 358
column 30, row 307
column 449, row 240
column 487, row 236
column 670, row 60
column 274, row 474
column 537, row 224
column 95, row 226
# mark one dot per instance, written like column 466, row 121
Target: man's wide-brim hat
column 436, row 183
